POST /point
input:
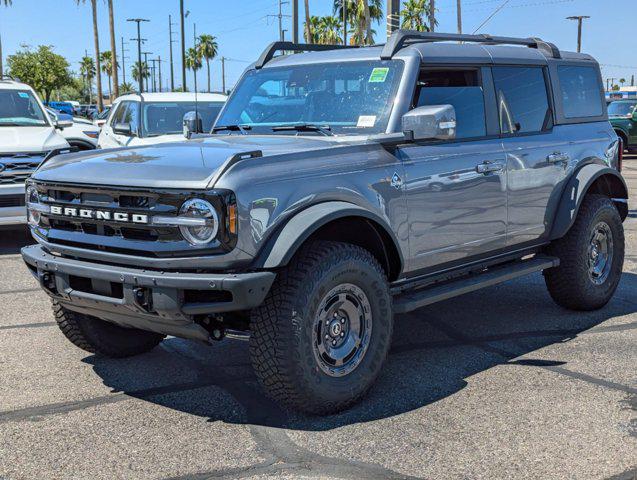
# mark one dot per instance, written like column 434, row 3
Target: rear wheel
column 591, row 257
column 101, row 337
column 320, row 338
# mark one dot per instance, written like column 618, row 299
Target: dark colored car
column 337, row 188
column 623, row 118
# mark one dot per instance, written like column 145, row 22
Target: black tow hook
column 143, row 298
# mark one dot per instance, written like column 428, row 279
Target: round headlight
column 32, row 198
column 204, row 222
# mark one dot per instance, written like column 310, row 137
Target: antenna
column 194, row 71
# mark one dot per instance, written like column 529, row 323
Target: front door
column 455, row 190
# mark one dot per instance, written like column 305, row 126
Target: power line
column 140, row 40
column 170, row 43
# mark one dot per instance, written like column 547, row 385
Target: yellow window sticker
column 378, row 75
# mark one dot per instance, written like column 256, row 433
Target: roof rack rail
column 401, row 38
column 274, row 47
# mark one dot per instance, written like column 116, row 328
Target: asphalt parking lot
column 500, row 383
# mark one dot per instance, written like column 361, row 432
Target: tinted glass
column 162, row 118
column 620, row 109
column 19, row 108
column 522, row 99
column 118, row 116
column 581, row 92
column 469, row 105
column 349, row 97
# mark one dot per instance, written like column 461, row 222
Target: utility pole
column 280, row 16
column 393, row 16
column 89, row 82
column 459, row 14
column 183, row 46
column 295, row 23
column 146, row 69
column 194, row 36
column 170, row 43
column 124, row 57
column 1, row 71
column 154, row 60
column 580, row 19
column 139, row 40
column 223, row 74
column 432, row 15
column 159, row 65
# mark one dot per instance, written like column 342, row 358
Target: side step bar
column 411, row 300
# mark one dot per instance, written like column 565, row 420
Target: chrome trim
column 180, row 221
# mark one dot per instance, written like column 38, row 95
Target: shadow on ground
column 12, row 239
column 434, row 351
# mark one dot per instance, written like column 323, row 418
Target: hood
column 184, row 165
column 30, row 139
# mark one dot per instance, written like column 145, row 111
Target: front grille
column 15, row 168
column 11, row 201
column 117, row 236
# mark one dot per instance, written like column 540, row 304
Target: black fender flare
column 283, row 244
column 80, row 142
column 578, row 186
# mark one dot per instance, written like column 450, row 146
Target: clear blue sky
column 243, row 29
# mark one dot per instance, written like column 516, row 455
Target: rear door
column 456, row 190
column 537, row 157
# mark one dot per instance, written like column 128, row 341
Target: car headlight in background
column 200, row 221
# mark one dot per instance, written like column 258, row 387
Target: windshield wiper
column 10, row 124
column 305, row 127
column 232, row 128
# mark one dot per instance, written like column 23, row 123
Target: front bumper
column 162, row 302
column 12, row 214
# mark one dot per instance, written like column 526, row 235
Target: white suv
column 152, row 118
column 27, row 134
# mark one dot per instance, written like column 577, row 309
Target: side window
column 581, row 91
column 118, row 116
column 522, row 97
column 132, row 116
column 461, row 89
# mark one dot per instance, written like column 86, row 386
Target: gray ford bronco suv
column 338, row 187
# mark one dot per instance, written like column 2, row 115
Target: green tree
column 96, row 41
column 138, row 70
column 193, row 60
column 361, row 14
column 414, row 15
column 125, row 88
column 106, row 59
column 75, row 90
column 207, row 50
column 44, row 70
column 330, row 29
column 87, row 70
column 622, row 81
column 314, row 30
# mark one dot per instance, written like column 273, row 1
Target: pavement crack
column 27, row 325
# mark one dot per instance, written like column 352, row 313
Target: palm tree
column 193, row 60
column 315, row 30
column 414, row 13
column 87, row 70
column 329, row 30
column 96, row 41
column 622, row 81
column 126, row 87
column 360, row 15
column 114, row 66
column 106, row 58
column 142, row 70
column 6, row 3
column 308, row 21
column 208, row 50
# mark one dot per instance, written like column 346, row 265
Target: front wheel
column 591, row 257
column 320, row 338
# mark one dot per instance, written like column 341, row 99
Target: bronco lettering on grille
column 105, row 215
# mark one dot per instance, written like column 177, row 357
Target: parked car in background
column 81, row 134
column 63, row 107
column 623, row 117
column 27, row 135
column 101, row 118
column 157, row 117
column 76, row 106
column 87, row 111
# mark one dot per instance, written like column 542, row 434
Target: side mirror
column 430, row 122
column 192, row 124
column 63, row 123
column 122, row 129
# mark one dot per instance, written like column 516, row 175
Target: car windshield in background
column 163, row 118
column 348, row 98
column 621, row 109
column 19, row 108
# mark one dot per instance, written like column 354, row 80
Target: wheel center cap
column 335, row 328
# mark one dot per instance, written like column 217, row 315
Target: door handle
column 489, row 167
column 557, row 157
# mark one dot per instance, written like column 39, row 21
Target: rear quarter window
column 581, row 91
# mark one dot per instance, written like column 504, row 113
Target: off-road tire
column 569, row 284
column 101, row 337
column 281, row 342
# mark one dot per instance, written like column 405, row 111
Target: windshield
column 616, row 109
column 162, row 118
column 19, row 108
column 350, row 98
